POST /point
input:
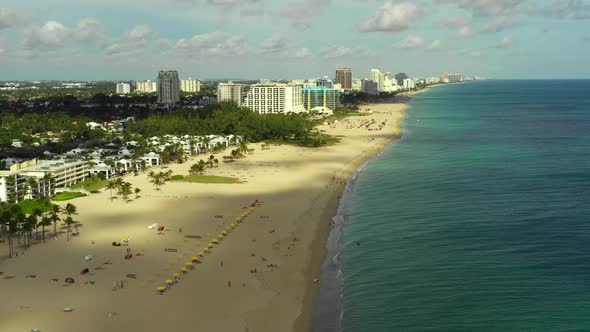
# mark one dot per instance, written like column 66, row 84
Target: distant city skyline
column 292, row 39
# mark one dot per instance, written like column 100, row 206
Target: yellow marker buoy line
column 206, row 250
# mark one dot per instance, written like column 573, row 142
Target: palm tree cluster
column 125, row 189
column 238, row 153
column 173, row 152
column 16, row 224
column 160, row 178
column 200, row 167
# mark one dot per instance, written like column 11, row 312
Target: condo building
column 168, row 87
column 123, row 88
column 344, row 78
column 230, row 92
column 190, row 85
column 320, row 97
column 146, row 86
column 275, row 98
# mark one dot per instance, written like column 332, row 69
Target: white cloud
column 435, row 44
column 334, row 51
column 213, row 44
column 456, row 22
column 487, row 7
column 8, row 18
column 303, row 53
column 504, row 43
column 393, row 17
column 230, row 3
column 497, row 25
column 276, row 43
column 302, row 12
column 466, row 32
column 561, row 9
column 52, row 34
column 410, row 42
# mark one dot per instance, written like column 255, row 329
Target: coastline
column 306, row 320
column 274, row 256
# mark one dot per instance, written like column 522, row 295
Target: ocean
column 477, row 220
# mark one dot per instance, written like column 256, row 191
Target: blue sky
column 294, row 39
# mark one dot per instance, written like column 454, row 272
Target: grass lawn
column 210, row 179
column 66, row 196
column 177, row 177
column 90, row 185
column 29, row 205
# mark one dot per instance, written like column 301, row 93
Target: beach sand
column 259, row 278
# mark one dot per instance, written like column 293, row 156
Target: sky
column 292, row 39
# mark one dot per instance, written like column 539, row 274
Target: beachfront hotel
column 230, row 92
column 316, row 97
column 275, row 98
column 35, row 178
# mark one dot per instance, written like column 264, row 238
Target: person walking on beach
column 221, row 264
column 228, row 283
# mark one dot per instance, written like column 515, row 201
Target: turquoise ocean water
column 477, row 220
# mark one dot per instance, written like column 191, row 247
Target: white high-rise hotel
column 276, row 98
column 230, row 92
column 190, row 85
column 146, row 86
column 123, row 88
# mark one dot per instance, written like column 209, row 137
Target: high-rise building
column 275, row 98
column 317, row 96
column 325, row 82
column 454, row 78
column 190, row 85
column 146, row 86
column 344, row 78
column 230, row 92
column 376, row 76
column 168, row 87
column 123, row 88
column 401, row 77
column 409, row 84
column 369, row 87
column 356, row 84
column 444, row 77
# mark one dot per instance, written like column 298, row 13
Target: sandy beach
column 260, row 277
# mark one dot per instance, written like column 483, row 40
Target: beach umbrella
column 176, row 276
column 224, row 232
column 188, row 264
column 215, row 241
column 232, row 225
column 206, row 249
column 195, row 259
column 124, row 239
column 169, row 282
column 201, row 254
column 220, row 236
column 184, row 270
column 161, row 289
column 210, row 245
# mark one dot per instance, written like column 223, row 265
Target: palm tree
column 37, row 213
column 216, row 161
column 110, row 186
column 45, row 221
column 70, row 209
column 137, row 191
column 29, row 224
column 125, row 190
column 54, row 217
column 69, row 222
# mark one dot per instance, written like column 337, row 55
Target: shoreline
column 319, row 245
